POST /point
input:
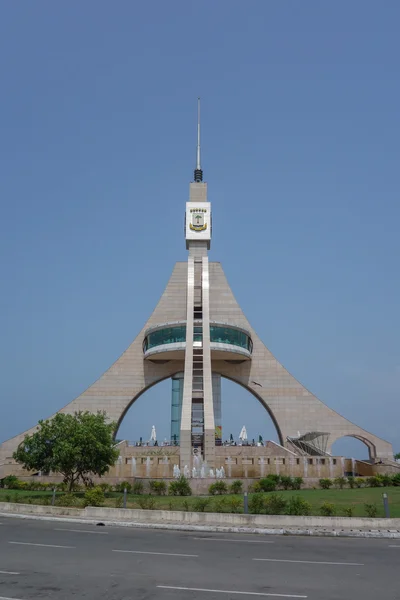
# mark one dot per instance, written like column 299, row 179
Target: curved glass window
column 227, row 335
column 177, row 333
column 169, row 335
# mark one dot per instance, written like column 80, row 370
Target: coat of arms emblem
column 197, row 221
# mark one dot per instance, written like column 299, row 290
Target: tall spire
column 198, row 173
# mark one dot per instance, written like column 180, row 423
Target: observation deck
column 167, row 341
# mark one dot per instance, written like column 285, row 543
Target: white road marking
column 42, row 545
column 394, row 546
column 84, row 531
column 9, row 573
column 157, row 553
column 233, row 540
column 310, row 562
column 187, row 589
column 4, row 598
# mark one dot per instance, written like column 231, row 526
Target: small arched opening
column 354, row 446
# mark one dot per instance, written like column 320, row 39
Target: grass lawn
column 340, row 498
column 355, row 498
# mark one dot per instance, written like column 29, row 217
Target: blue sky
column 300, row 111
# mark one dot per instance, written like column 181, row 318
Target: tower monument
column 198, row 329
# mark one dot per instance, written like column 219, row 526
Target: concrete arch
column 139, row 394
column 259, row 398
column 367, row 442
column 178, row 369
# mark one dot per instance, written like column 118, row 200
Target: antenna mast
column 198, row 173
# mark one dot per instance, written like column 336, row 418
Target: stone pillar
column 186, row 421
column 209, row 423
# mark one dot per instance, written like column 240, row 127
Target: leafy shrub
column 351, row 481
column 220, row 505
column 94, row 497
column 286, row 482
column 67, row 500
column 22, row 485
column 325, row 483
column 268, row 484
column 297, row 483
column 61, row 487
column 200, row 504
column 11, row 482
column 119, row 502
column 298, row 506
column 386, row 480
column 46, row 501
column 158, row 487
column 348, row 511
column 185, row 505
column 37, row 486
column 371, row 510
column 275, row 504
column 16, row 498
column 255, row 488
column 180, row 487
column 374, row 481
column 340, row 482
column 147, row 502
column 274, row 477
column 138, row 488
column 360, row 482
column 396, row 479
column 327, row 509
column 8, row 497
column 79, row 488
column 235, row 505
column 236, row 487
column 106, row 487
column 218, row 488
column 120, row 487
column 256, row 503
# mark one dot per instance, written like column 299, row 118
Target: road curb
column 313, row 532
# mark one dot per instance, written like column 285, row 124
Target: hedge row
column 359, row 482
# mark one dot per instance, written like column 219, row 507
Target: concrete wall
column 239, row 462
column 212, row 519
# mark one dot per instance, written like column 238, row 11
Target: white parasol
column 243, row 434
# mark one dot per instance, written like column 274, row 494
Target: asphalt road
column 42, row 559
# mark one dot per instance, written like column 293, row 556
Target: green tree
column 397, row 456
column 76, row 446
